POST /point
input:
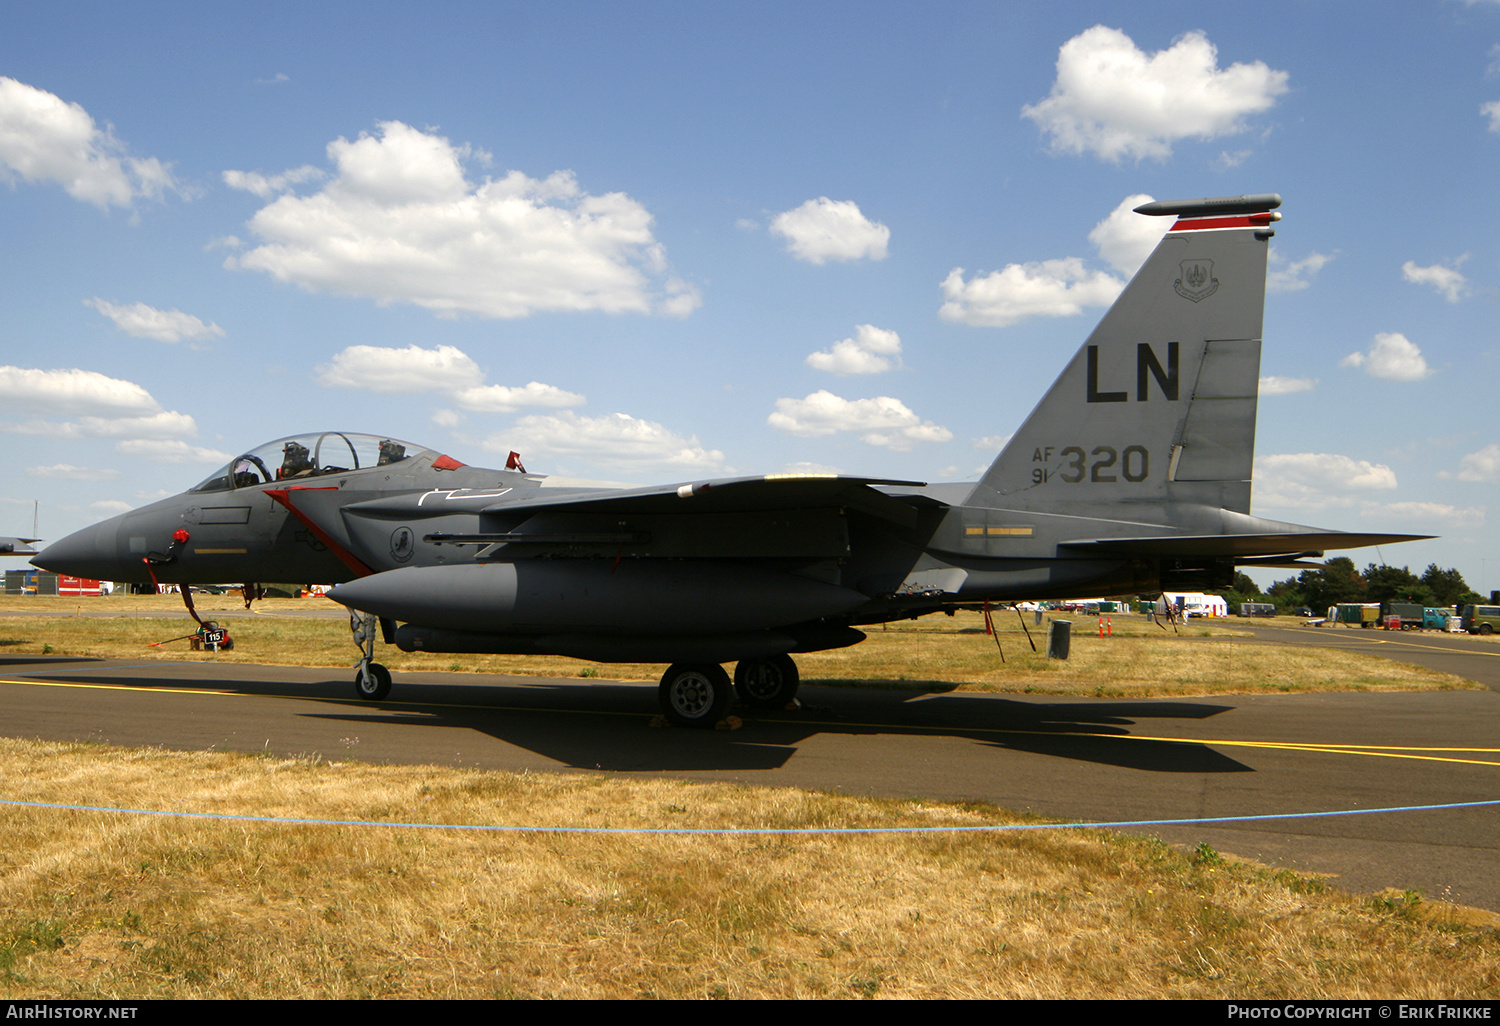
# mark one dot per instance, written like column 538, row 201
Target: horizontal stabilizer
column 1236, row 545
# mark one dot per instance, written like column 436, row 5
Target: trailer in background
column 44, row 582
column 1402, row 616
column 1355, row 614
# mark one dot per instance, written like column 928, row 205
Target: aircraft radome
column 1132, row 475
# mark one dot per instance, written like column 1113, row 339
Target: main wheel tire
column 766, row 683
column 375, row 686
column 694, row 694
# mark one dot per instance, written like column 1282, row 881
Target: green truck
column 1481, row 619
column 1413, row 616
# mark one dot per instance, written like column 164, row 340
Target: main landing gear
column 699, row 694
column 691, row 694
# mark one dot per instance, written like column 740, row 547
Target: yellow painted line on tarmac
column 1436, row 646
column 1383, row 751
column 121, row 687
column 374, row 706
column 1418, row 753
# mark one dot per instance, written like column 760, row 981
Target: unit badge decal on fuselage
column 401, row 544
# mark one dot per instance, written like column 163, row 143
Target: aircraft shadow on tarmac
column 600, row 724
column 768, row 740
column 31, row 660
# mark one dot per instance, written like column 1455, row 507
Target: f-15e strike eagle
column 1131, row 476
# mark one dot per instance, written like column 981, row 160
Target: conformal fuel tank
column 597, row 595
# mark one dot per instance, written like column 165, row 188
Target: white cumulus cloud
column 104, row 407
column 1480, row 467
column 46, row 139
column 1050, row 288
column 1392, row 357
column 679, row 298
column 447, row 370
column 144, row 321
column 871, row 350
column 68, row 472
column 71, row 392
column 882, row 421
column 173, row 450
column 1057, row 288
column 823, row 229
column 266, row 186
column 1116, row 101
column 1317, row 480
column 1491, row 110
column 1273, row 385
column 615, row 440
column 502, row 399
column 400, row 222
column 164, row 424
column 400, row 371
column 1426, row 513
column 1125, row 239
column 1446, row 280
column 1283, row 275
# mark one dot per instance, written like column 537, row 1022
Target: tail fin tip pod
column 1221, row 205
column 1156, row 410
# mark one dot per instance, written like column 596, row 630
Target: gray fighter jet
column 1131, row 476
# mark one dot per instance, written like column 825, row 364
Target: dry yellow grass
column 112, row 905
column 1140, row 660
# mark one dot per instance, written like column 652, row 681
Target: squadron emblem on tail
column 1197, row 281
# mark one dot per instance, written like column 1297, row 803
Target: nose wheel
column 373, row 681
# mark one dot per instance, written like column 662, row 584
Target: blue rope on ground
column 753, row 831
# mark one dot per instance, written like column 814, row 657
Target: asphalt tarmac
column 1425, row 757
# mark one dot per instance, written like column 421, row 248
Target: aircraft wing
column 730, row 495
column 18, row 546
column 741, row 495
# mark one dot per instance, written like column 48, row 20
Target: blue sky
column 658, row 242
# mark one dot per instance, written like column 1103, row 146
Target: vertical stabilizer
column 1156, row 411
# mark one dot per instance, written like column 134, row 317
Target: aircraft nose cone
column 92, row 552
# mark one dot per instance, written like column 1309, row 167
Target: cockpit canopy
column 303, row 456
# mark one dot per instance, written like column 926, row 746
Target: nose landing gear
column 373, row 681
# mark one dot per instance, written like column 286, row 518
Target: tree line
column 1338, row 580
